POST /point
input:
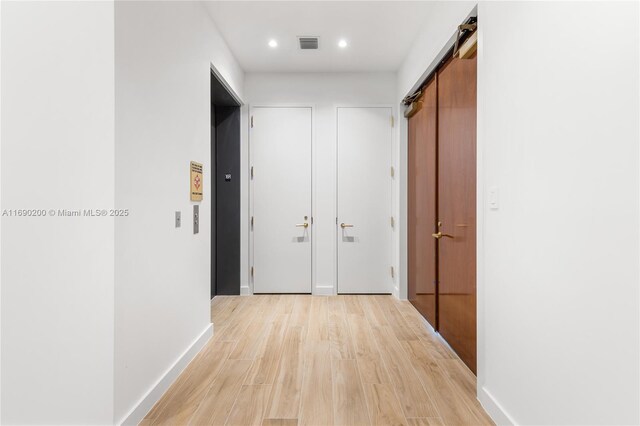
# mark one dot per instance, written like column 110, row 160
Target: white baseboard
column 324, row 290
column 493, row 408
column 245, row 290
column 145, row 405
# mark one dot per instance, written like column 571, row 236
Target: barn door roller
column 462, row 30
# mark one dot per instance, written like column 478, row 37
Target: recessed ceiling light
column 273, row 43
column 342, row 43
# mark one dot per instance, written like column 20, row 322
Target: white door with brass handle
column 280, row 154
column 364, row 224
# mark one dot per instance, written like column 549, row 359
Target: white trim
column 249, row 200
column 313, row 184
column 493, row 408
column 245, row 290
column 402, row 186
column 154, row 394
column 225, row 84
column 1, row 227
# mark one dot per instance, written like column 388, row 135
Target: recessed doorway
column 225, row 190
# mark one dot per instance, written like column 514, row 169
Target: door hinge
column 392, row 121
column 251, row 222
column 252, row 121
column 393, row 172
column 252, row 271
column 312, row 220
column 393, row 272
column 393, row 222
column 251, row 172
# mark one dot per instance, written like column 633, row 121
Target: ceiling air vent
column 308, row 43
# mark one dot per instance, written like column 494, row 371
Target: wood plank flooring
column 318, row 360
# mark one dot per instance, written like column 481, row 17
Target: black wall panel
column 227, row 200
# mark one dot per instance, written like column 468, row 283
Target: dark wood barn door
column 457, row 207
column 422, row 198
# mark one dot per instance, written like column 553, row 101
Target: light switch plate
column 178, row 220
column 494, row 202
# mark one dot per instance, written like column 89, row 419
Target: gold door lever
column 303, row 225
column 440, row 235
column 345, row 225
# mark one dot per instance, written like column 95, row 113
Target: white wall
column 57, row 153
column 323, row 91
column 163, row 55
column 558, row 134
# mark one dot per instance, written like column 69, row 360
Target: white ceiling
column 379, row 33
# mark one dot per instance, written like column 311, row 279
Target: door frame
column 250, row 109
column 394, row 205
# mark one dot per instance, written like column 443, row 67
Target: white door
column 364, row 200
column 280, row 143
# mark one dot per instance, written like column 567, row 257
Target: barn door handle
column 440, row 235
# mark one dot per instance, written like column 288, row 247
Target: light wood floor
column 315, row 360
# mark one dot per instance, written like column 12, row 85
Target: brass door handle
column 345, row 225
column 303, row 225
column 440, row 235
